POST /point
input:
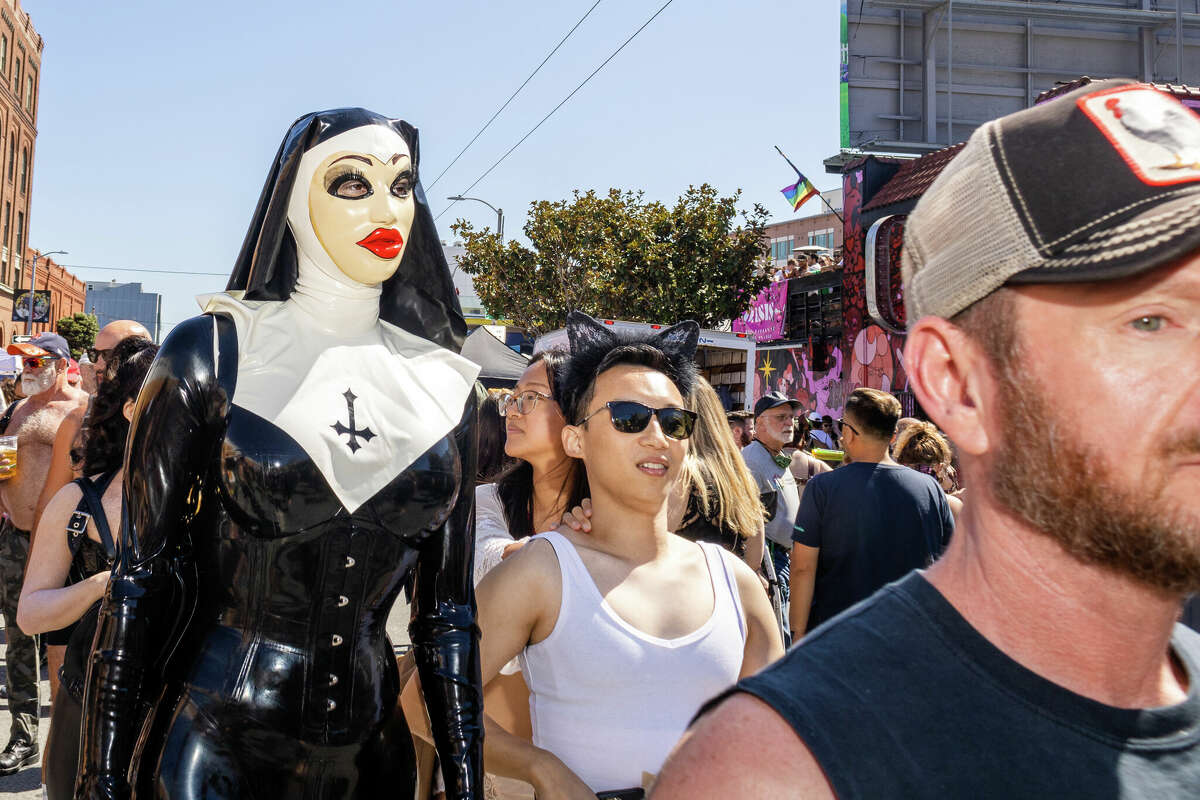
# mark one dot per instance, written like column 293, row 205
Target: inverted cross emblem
column 355, row 433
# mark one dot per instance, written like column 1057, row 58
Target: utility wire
column 513, row 95
column 557, row 107
column 132, row 269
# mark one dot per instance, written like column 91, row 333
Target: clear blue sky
column 158, row 121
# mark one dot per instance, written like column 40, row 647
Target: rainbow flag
column 798, row 192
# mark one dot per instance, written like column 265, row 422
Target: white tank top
column 611, row 701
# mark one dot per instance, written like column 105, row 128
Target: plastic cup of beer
column 8, row 457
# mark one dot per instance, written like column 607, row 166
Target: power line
column 557, row 107
column 133, row 269
column 514, row 94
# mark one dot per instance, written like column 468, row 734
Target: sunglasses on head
column 630, row 417
column 37, row 362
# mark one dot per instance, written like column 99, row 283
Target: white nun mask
column 361, row 396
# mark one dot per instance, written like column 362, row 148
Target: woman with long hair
column 73, row 551
column 529, row 496
column 717, row 500
column 541, row 482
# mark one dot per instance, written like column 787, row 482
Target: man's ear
column 572, row 439
column 952, row 379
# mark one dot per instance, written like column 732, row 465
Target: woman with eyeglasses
column 529, row 496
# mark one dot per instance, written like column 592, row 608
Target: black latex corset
column 248, row 606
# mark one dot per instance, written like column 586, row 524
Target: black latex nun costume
column 298, row 454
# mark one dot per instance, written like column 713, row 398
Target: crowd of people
column 61, row 520
column 661, row 597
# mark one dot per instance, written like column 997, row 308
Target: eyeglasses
column 37, row 362
column 630, row 417
column 843, row 424
column 525, row 402
column 95, row 354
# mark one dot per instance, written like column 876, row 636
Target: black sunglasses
column 95, row 354
column 843, row 424
column 630, row 417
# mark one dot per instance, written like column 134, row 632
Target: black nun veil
column 419, row 297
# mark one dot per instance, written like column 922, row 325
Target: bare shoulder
column 711, row 760
column 524, row 590
column 533, row 567
column 60, row 508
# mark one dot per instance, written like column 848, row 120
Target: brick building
column 20, row 76
column 822, row 229
column 67, row 295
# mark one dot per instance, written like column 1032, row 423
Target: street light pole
column 499, row 212
column 33, row 285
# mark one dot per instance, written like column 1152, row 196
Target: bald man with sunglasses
column 623, row 630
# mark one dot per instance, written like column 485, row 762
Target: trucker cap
column 1099, row 183
column 774, row 400
column 41, row 345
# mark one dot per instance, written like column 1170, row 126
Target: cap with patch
column 41, row 345
column 1100, row 183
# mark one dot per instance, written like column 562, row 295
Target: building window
column 12, row 154
column 29, row 91
column 20, row 246
column 822, row 238
column 781, row 249
column 24, row 169
column 7, row 240
column 3, row 54
column 17, row 74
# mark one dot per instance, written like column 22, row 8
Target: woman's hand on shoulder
column 578, row 519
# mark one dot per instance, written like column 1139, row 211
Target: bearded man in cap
column 774, row 421
column 34, row 420
column 1052, row 284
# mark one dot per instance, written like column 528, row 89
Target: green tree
column 79, row 330
column 616, row 256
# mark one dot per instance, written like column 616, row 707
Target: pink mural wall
column 867, row 355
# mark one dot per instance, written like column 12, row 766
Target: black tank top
column 901, row 698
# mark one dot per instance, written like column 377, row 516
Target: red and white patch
column 1158, row 136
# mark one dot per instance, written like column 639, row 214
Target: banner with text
column 766, row 317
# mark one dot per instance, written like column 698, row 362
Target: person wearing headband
column 298, row 454
column 623, row 631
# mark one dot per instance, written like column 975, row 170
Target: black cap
column 774, row 400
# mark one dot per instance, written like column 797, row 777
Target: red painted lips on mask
column 383, row 242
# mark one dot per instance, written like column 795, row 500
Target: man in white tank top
column 622, row 632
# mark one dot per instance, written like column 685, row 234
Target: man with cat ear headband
column 621, row 632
